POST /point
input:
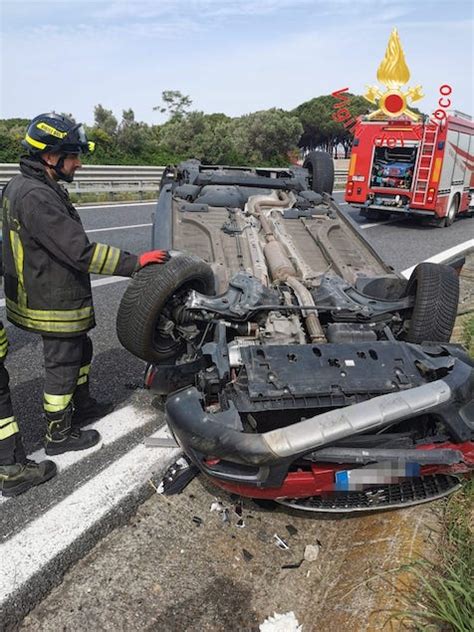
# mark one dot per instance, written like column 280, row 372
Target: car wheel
column 436, row 291
column 320, row 167
column 452, row 212
column 143, row 307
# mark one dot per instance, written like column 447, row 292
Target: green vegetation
column 445, row 599
column 109, row 196
column 267, row 137
column 468, row 334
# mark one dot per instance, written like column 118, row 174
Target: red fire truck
column 420, row 168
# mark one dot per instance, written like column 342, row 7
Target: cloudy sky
column 231, row 56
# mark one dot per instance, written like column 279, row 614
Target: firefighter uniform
column 47, row 260
column 9, row 431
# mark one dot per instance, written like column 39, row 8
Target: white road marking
column 102, row 230
column 444, row 255
column 86, row 208
column 49, row 536
column 108, row 281
column 112, row 427
column 95, row 283
column 388, row 221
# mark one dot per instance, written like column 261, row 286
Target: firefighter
column 47, row 261
column 17, row 473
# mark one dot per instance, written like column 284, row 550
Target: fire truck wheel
column 453, row 211
column 145, row 324
column 436, row 291
column 320, row 166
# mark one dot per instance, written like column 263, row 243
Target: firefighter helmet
column 57, row 133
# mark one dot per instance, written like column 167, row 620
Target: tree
column 175, row 103
column 198, row 135
column 12, row 132
column 128, row 117
column 320, row 127
column 105, row 120
column 131, row 136
column 267, row 135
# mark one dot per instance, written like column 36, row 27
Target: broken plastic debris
column 197, row 520
column 221, row 510
column 217, row 506
column 160, row 442
column 247, row 555
column 280, row 542
column 177, row 476
column 225, row 515
column 293, row 565
column 311, row 552
column 281, row 623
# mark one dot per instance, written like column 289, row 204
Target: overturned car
column 297, row 366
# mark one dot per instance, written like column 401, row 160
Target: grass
column 468, row 334
column 84, row 198
column 445, row 599
column 446, row 588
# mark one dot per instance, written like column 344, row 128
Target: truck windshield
column 393, row 168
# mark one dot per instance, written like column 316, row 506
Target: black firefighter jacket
column 47, row 257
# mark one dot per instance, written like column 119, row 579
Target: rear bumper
column 217, row 443
column 406, row 211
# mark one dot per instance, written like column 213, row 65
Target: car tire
column 436, row 291
column 452, row 212
column 145, row 298
column 320, row 167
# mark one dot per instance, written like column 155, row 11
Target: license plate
column 375, row 474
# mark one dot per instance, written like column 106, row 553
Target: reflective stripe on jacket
column 48, row 258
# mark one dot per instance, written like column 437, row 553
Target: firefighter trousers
column 11, row 448
column 67, row 364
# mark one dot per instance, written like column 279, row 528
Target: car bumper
column 217, row 443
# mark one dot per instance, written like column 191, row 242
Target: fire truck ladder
column 425, row 163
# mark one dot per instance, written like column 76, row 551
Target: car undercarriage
column 296, row 364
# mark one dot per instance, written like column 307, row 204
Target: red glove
column 153, row 256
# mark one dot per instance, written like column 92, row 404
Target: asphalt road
column 403, row 243
column 117, row 376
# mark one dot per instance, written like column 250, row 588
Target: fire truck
column 422, row 168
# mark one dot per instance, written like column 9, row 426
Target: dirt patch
column 179, row 566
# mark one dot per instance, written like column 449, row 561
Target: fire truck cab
column 422, row 168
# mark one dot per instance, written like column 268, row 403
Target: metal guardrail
column 117, row 178
column 103, row 178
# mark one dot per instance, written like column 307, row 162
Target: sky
column 231, row 56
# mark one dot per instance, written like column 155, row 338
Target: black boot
column 87, row 408
column 62, row 437
column 19, row 477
